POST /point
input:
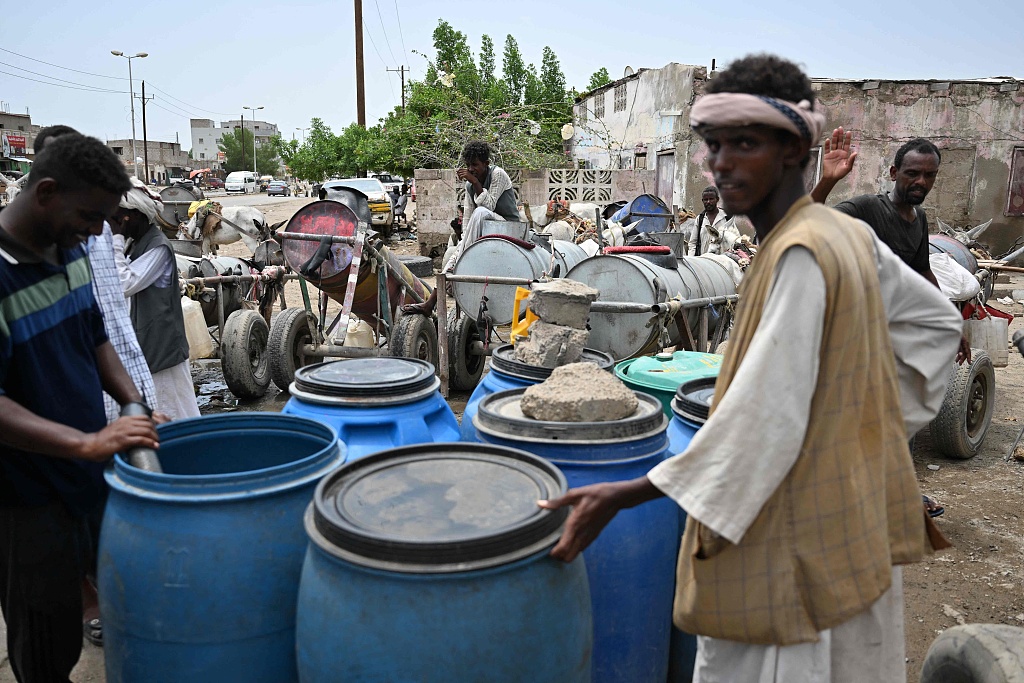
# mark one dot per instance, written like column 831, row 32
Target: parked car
column 389, row 181
column 215, row 183
column 278, row 187
column 381, row 213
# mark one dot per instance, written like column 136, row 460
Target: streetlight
column 303, row 130
column 131, row 87
column 253, row 110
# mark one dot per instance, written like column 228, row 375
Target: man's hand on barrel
column 119, row 436
column 593, row 507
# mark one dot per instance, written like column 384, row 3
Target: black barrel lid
column 503, row 359
column 693, row 399
column 500, row 414
column 438, row 508
column 366, row 378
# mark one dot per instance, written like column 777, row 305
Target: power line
column 70, row 87
column 176, row 107
column 385, row 30
column 54, row 78
column 66, row 68
column 190, row 106
column 400, row 34
column 391, row 85
column 154, row 104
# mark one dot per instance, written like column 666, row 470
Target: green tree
column 486, row 60
column 513, row 72
column 455, row 58
column 551, row 77
column 598, row 78
column 237, row 148
column 533, row 93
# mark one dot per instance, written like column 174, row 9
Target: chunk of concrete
column 551, row 345
column 562, row 302
column 579, row 392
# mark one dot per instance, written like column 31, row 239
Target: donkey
column 237, row 223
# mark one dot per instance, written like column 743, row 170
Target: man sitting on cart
column 489, row 197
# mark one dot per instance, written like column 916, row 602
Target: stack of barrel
column 270, row 549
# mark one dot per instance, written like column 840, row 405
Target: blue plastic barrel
column 199, row 565
column 508, row 373
column 645, row 204
column 631, row 565
column 430, row 564
column 374, row 403
column 690, row 409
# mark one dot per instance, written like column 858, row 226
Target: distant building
column 642, row 121
column 17, row 135
column 206, row 135
column 166, row 159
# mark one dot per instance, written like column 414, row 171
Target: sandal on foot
column 93, row 631
column 933, row 508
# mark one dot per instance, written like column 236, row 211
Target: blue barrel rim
column 503, row 359
column 648, row 421
column 408, row 376
column 192, row 488
column 331, row 533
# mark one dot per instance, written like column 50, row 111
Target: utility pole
column 360, row 90
column 401, row 70
column 145, row 140
column 242, row 143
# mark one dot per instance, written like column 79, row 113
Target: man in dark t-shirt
column 895, row 216
column 55, row 360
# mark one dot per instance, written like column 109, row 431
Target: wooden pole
column 145, row 140
column 360, row 89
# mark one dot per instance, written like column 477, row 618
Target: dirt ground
column 980, row 579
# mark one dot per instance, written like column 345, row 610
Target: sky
column 296, row 59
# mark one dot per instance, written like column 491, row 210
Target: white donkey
column 238, row 223
column 13, row 186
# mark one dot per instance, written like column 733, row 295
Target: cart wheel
column 414, row 336
column 960, row 427
column 287, row 335
column 464, row 369
column 976, row 653
column 420, row 266
column 244, row 355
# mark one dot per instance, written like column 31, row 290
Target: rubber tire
column 420, row 266
column 976, row 653
column 966, row 385
column 414, row 336
column 244, row 354
column 289, row 331
column 464, row 370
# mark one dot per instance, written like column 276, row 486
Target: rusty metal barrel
column 631, row 278
column 175, row 202
column 328, row 217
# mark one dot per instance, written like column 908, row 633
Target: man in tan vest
column 799, row 519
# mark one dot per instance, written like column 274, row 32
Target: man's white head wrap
column 141, row 199
column 729, row 109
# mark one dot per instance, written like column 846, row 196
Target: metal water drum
column 630, row 278
column 662, row 374
column 645, row 204
column 496, row 256
column 690, row 409
column 631, row 565
column 329, row 217
column 374, row 403
column 199, row 564
column 430, row 564
column 175, row 201
column 567, row 254
column 938, row 244
column 510, row 228
column 509, row 373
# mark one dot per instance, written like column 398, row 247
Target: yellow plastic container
column 521, row 328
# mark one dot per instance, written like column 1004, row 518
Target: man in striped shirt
column 55, row 361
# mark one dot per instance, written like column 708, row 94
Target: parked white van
column 240, row 181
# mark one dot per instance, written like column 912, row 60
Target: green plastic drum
column 662, row 374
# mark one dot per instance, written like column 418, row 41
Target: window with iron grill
column 599, row 105
column 620, row 97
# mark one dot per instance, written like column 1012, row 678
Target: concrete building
column 166, row 159
column 206, row 134
column 641, row 121
column 17, row 135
